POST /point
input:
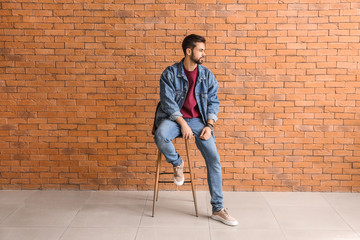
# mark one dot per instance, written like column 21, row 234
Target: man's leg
column 214, row 176
column 212, row 159
column 165, row 133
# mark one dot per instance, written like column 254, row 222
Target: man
column 189, row 107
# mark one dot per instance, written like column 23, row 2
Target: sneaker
column 179, row 174
column 224, row 217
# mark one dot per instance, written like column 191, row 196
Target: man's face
column 198, row 53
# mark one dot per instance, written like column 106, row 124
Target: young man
column 189, row 107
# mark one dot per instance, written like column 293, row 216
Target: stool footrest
column 164, row 173
column 166, row 181
column 173, row 181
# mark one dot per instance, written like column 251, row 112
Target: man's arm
column 167, row 95
column 213, row 108
column 213, row 100
column 167, row 98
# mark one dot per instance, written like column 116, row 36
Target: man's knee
column 166, row 132
column 159, row 136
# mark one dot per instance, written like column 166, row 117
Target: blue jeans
column 168, row 130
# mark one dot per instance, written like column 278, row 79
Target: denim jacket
column 173, row 90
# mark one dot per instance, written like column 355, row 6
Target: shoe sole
column 179, row 183
column 220, row 219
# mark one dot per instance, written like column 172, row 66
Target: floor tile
column 174, row 233
column 15, row 197
column 309, row 218
column 351, row 216
column 58, row 198
column 341, row 200
column 6, row 210
column 128, row 233
column 244, row 199
column 181, row 220
column 31, row 233
column 256, row 234
column 347, row 205
column 321, row 235
column 295, row 199
column 108, row 215
column 118, row 197
column 40, row 216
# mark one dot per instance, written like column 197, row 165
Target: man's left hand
column 206, row 133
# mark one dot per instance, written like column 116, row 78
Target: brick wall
column 79, row 83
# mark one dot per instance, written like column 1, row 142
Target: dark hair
column 190, row 41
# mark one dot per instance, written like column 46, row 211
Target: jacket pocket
column 204, row 96
column 179, row 95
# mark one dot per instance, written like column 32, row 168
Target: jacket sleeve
column 213, row 100
column 167, row 95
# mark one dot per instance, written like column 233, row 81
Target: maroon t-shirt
column 190, row 108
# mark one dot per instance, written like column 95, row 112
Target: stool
column 157, row 178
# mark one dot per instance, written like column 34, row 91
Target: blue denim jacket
column 173, row 90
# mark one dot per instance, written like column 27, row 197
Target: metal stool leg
column 191, row 176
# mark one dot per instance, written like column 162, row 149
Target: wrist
column 209, row 125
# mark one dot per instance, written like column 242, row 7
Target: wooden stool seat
column 158, row 174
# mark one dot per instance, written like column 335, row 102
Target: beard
column 198, row 61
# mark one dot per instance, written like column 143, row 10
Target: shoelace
column 177, row 169
column 226, row 213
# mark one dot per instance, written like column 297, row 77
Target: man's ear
column 188, row 51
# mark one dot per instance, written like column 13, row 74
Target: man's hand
column 185, row 129
column 205, row 133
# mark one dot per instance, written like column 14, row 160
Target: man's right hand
column 185, row 129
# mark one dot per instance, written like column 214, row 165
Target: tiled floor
column 85, row 215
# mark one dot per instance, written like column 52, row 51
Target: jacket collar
column 181, row 72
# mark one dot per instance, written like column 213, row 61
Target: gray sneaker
column 179, row 174
column 224, row 217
